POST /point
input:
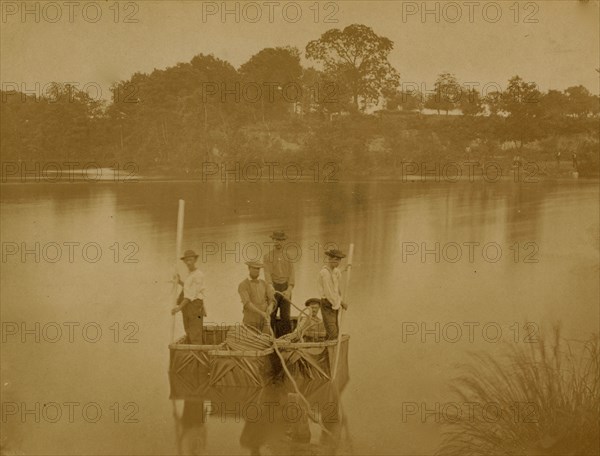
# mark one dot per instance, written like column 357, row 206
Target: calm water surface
column 547, row 235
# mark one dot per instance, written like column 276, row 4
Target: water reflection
column 560, row 217
column 270, row 420
column 190, row 427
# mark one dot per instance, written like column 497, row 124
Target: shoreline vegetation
column 425, row 173
column 543, row 399
column 492, row 171
column 348, row 117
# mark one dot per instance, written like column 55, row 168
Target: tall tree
column 553, row 104
column 273, row 77
column 521, row 101
column 580, row 101
column 320, row 94
column 447, row 93
column 471, row 103
column 172, row 115
column 358, row 58
column 57, row 124
column 493, row 101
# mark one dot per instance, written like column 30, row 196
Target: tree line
column 272, row 107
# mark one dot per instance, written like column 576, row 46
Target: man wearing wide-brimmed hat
column 257, row 298
column 192, row 299
column 279, row 274
column 331, row 294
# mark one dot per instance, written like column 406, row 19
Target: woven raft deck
column 224, row 360
column 314, row 360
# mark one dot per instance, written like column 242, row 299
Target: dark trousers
column 258, row 323
column 193, row 318
column 284, row 306
column 330, row 319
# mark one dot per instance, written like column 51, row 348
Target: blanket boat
column 240, row 356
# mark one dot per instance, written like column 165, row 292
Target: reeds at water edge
column 547, row 394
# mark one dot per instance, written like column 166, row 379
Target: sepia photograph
column 300, row 228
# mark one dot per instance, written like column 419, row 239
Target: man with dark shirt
column 279, row 275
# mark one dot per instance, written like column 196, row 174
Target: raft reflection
column 269, row 420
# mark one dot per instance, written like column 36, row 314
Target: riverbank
column 386, row 146
column 231, row 173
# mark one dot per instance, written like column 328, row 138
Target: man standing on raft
column 279, row 275
column 192, row 304
column 331, row 294
column 257, row 299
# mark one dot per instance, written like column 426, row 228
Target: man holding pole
column 192, row 305
column 331, row 294
column 257, row 299
column 279, row 275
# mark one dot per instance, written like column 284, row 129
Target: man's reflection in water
column 275, row 420
column 191, row 428
column 262, row 424
column 288, row 429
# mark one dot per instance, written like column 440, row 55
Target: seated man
column 310, row 327
column 257, row 299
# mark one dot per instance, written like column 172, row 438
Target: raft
column 194, row 367
column 314, row 360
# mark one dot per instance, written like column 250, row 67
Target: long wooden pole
column 178, row 243
column 340, row 311
column 294, row 384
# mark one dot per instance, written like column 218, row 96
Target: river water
column 440, row 270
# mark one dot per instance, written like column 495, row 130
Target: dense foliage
column 350, row 111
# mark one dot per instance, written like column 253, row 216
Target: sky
column 554, row 43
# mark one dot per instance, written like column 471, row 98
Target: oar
column 316, row 419
column 302, row 311
column 340, row 312
column 178, row 241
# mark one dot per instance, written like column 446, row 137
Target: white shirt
column 193, row 285
column 329, row 286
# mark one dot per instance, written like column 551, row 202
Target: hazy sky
column 561, row 49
